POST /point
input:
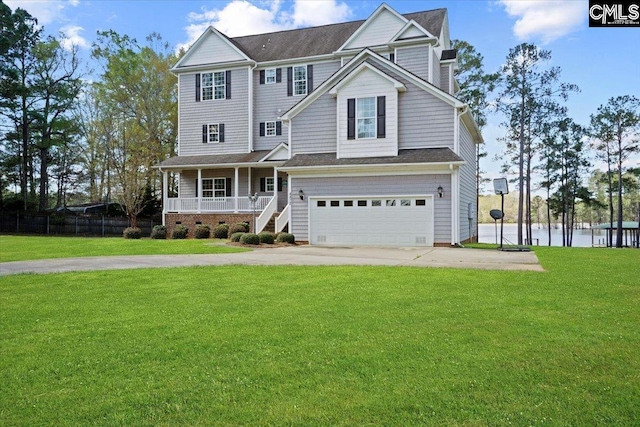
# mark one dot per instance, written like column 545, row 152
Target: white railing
column 283, row 219
column 215, row 204
column 266, row 214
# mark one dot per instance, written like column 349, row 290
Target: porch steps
column 271, row 225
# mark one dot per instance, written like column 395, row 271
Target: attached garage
column 386, row 220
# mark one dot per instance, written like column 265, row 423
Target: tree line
column 90, row 141
column 545, row 149
column 69, row 139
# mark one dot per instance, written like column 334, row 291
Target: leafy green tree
column 56, row 85
column 18, row 37
column 528, row 98
column 615, row 128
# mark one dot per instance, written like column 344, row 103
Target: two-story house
column 348, row 134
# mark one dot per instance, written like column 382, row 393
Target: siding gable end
column 377, row 30
column 211, row 48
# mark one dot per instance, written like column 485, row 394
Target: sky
column 603, row 62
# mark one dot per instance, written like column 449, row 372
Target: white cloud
column 243, row 17
column 45, row 11
column 319, row 12
column 547, row 20
column 71, row 37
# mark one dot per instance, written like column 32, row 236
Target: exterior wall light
column 440, row 191
column 301, row 194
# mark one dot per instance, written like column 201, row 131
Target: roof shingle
column 422, row 155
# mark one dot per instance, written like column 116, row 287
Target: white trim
column 199, row 189
column 430, row 62
column 455, row 205
column 364, row 54
column 411, row 23
column 399, row 86
column 410, row 168
column 231, row 65
column 179, row 116
column 456, row 132
column 201, row 40
column 236, row 188
column 293, row 80
column 275, row 151
column 368, row 21
column 398, row 172
column 250, row 106
column 209, row 133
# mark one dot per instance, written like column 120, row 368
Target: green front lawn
column 20, row 248
column 326, row 345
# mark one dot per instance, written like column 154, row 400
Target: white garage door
column 398, row 221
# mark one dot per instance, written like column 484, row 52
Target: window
column 213, row 85
column 335, row 203
column 421, row 202
column 300, row 80
column 405, row 202
column 270, row 76
column 212, row 133
column 322, row 203
column 348, row 203
column 214, row 187
column 362, row 203
column 391, row 202
column 366, row 117
column 269, row 184
column 376, row 203
column 270, row 129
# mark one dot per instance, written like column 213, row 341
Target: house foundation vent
column 322, row 239
column 421, row 240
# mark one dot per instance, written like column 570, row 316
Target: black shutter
column 205, row 133
column 279, row 184
column 261, row 77
column 309, row 78
column 221, row 132
column 263, row 185
column 198, row 87
column 196, row 187
column 261, row 128
column 392, row 57
column 351, row 118
column 381, row 117
column 278, row 128
column 278, row 75
column 228, row 187
column 227, row 82
column 289, row 81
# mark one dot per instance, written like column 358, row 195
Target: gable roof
column 322, row 40
column 210, row 32
column 353, row 64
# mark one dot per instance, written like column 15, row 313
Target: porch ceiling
column 216, row 160
column 423, row 155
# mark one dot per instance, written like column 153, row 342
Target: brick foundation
column 191, row 220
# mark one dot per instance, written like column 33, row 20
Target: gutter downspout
column 250, row 124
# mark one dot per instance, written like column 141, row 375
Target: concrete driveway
column 484, row 259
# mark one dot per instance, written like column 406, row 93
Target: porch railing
column 283, row 219
column 266, row 215
column 215, row 204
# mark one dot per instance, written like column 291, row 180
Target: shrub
column 132, row 233
column 250, row 239
column 237, row 228
column 266, row 237
column 180, row 232
column 159, row 232
column 221, row 231
column 286, row 238
column 245, row 225
column 235, row 237
column 202, row 232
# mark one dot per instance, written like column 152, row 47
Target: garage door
column 398, row 221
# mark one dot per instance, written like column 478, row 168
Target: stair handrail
column 266, row 214
column 283, row 219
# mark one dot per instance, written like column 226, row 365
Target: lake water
column 581, row 238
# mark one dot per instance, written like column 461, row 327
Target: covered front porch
column 247, row 183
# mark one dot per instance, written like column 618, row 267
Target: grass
column 326, row 345
column 21, row 248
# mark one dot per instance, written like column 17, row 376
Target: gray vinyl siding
column 444, row 78
column 467, row 177
column 271, row 101
column 234, row 113
column 414, row 59
column 314, row 129
column 373, row 186
column 436, row 69
column 424, row 121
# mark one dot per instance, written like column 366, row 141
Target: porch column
column 275, row 185
column 199, row 190
column 235, row 190
column 249, row 181
column 165, row 193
